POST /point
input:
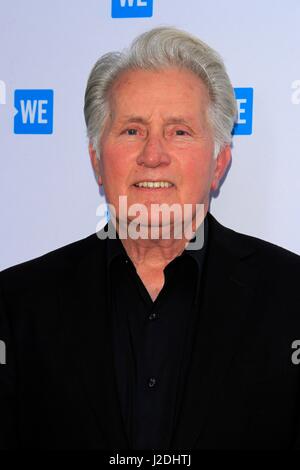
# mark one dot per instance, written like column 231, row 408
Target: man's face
column 158, row 130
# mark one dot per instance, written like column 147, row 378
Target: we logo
column 34, row 112
column 131, row 8
column 244, row 100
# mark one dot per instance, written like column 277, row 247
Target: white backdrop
column 48, row 195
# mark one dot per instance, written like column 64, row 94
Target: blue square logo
column 34, row 112
column 244, row 98
column 131, row 8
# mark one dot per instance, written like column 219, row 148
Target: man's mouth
column 154, row 184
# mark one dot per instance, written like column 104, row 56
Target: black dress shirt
column 152, row 341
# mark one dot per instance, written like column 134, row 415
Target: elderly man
column 146, row 342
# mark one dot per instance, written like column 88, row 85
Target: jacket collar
column 220, row 322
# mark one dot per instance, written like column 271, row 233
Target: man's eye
column 131, row 131
column 181, row 132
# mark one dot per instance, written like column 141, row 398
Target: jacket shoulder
column 52, row 265
column 245, row 245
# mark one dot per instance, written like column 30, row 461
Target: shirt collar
column 199, row 254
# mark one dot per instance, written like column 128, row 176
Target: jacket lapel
column 88, row 336
column 228, row 283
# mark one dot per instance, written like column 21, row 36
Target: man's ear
column 95, row 163
column 221, row 165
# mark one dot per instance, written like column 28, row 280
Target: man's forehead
column 183, row 79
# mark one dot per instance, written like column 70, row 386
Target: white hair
column 158, row 49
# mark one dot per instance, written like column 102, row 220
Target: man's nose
column 154, row 153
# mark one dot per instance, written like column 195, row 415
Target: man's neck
column 154, row 254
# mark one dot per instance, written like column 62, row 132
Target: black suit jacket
column 58, row 387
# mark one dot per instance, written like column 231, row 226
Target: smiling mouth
column 154, row 184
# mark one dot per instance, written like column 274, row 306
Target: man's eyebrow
column 178, row 120
column 134, row 118
column 167, row 120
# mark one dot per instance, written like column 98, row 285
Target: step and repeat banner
column 48, row 194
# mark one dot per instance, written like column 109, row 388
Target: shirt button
column 153, row 316
column 151, row 382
